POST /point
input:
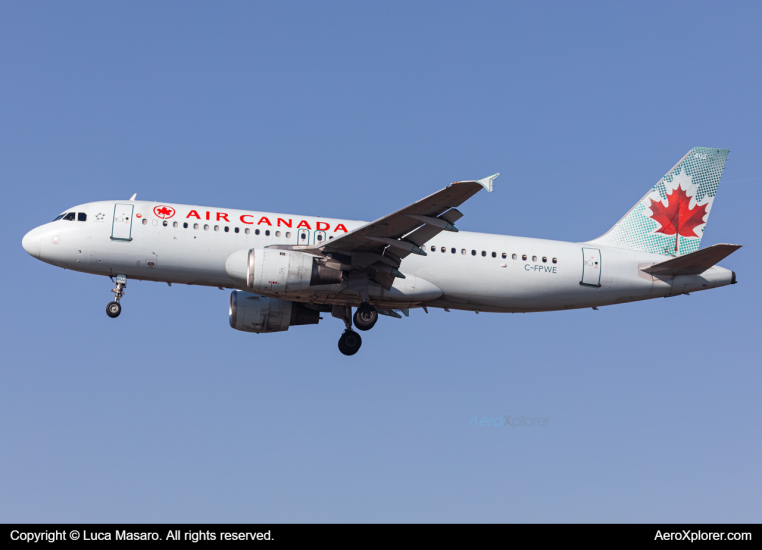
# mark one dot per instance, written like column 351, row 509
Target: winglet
column 487, row 182
column 132, row 198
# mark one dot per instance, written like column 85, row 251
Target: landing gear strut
column 113, row 309
column 350, row 341
column 365, row 317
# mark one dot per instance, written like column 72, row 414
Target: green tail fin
column 671, row 218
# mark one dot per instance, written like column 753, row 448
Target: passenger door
column 121, row 226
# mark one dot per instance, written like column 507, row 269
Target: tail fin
column 671, row 218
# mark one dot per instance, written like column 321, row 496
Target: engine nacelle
column 252, row 313
column 274, row 270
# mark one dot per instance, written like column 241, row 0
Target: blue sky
column 355, row 110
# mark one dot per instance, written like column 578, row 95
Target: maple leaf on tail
column 677, row 218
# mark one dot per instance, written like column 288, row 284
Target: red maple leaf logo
column 164, row 212
column 677, row 219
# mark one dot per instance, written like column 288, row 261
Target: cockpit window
column 59, row 217
column 69, row 217
column 81, row 217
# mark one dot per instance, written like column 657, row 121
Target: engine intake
column 252, row 313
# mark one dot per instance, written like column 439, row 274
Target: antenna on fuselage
column 132, row 198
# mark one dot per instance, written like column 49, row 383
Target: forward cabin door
column 121, row 227
column 591, row 267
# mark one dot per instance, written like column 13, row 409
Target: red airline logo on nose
column 164, row 212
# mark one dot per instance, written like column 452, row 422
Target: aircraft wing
column 405, row 231
column 694, row 263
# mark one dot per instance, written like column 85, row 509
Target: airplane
column 286, row 270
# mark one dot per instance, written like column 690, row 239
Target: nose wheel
column 113, row 309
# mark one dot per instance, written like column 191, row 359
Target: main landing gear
column 113, row 309
column 350, row 342
column 364, row 319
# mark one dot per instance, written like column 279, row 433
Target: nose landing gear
column 113, row 309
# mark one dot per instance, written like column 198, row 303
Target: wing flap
column 694, row 263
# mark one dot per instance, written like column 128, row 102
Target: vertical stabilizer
column 671, row 218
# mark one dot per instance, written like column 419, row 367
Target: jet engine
column 276, row 270
column 252, row 313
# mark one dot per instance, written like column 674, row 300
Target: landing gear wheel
column 113, row 309
column 350, row 342
column 365, row 317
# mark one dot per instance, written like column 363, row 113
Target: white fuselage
column 469, row 271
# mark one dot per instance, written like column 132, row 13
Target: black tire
column 350, row 342
column 113, row 309
column 365, row 317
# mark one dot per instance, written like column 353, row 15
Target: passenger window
column 331, row 237
column 59, row 217
column 463, row 251
column 81, row 217
column 514, row 257
column 227, row 229
column 484, row 253
column 505, row 255
column 174, row 224
column 267, row 232
column 69, row 217
column 453, row 251
column 433, row 248
column 185, row 225
column 165, row 223
column 524, row 257
column 256, row 231
column 555, row 260
column 237, row 230
column 145, row 222
column 544, row 259
column 494, row 254
column 534, row 258
column 216, row 227
column 444, row 249
column 247, row 231
column 288, row 235
column 195, row 226
column 277, row 233
column 206, row 227
column 473, row 253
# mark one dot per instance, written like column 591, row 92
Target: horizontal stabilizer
column 694, row 263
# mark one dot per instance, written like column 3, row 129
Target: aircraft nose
column 31, row 243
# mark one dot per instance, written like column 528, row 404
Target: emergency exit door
column 305, row 236
column 591, row 267
column 121, row 226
